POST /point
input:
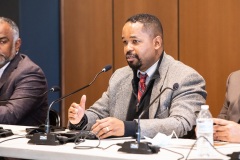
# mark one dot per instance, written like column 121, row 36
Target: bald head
column 12, row 25
column 9, row 40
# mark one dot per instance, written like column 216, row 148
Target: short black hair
column 150, row 23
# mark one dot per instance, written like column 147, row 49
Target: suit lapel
column 158, row 85
column 123, row 100
column 11, row 67
column 238, row 119
column 235, row 112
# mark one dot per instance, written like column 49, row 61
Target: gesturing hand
column 76, row 111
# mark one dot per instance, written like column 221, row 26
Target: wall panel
column 209, row 42
column 86, row 48
column 202, row 34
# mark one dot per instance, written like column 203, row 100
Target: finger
column 100, row 128
column 83, row 101
column 107, row 129
column 106, row 135
column 94, row 126
column 221, row 128
column 72, row 116
column 105, row 132
column 222, row 138
column 221, row 134
column 72, row 109
column 219, row 121
column 100, row 121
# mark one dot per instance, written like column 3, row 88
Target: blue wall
column 39, row 24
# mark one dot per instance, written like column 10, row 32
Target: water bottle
column 204, row 129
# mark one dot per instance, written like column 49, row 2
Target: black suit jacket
column 23, row 78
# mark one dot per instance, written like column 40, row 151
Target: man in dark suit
column 227, row 126
column 19, row 77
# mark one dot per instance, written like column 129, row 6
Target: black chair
column 54, row 118
column 54, row 122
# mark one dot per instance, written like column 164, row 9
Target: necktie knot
column 142, row 77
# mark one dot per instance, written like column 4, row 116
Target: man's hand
column 108, row 127
column 225, row 130
column 76, row 111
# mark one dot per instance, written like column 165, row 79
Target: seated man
column 229, row 129
column 19, row 77
column 150, row 72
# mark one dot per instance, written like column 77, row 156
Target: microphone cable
column 89, row 147
column 208, row 142
column 77, row 141
column 182, row 156
column 12, row 139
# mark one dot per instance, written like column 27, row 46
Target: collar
column 3, row 68
column 152, row 71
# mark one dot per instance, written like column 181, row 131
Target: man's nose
column 129, row 47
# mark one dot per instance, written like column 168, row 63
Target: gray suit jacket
column 173, row 111
column 23, row 78
column 231, row 106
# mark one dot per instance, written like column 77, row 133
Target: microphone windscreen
column 107, row 68
column 55, row 89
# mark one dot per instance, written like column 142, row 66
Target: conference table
column 17, row 146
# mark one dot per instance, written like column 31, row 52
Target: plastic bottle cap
column 204, row 107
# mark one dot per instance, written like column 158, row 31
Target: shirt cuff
column 130, row 128
column 81, row 125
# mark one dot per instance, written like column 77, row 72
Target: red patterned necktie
column 141, row 85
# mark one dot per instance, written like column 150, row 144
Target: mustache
column 2, row 55
column 131, row 55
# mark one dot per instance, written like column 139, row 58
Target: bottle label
column 204, row 125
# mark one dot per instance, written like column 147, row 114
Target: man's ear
column 18, row 44
column 157, row 41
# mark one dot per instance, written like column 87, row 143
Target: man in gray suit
column 19, row 77
column 227, row 126
column 128, row 96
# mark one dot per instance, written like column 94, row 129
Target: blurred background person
column 227, row 127
column 19, row 77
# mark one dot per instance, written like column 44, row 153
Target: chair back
column 54, row 118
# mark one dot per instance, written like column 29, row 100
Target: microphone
column 143, row 148
column 53, row 89
column 51, row 139
column 106, row 68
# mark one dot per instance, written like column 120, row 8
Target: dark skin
column 8, row 44
column 142, row 50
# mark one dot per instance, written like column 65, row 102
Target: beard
column 136, row 65
column 3, row 60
